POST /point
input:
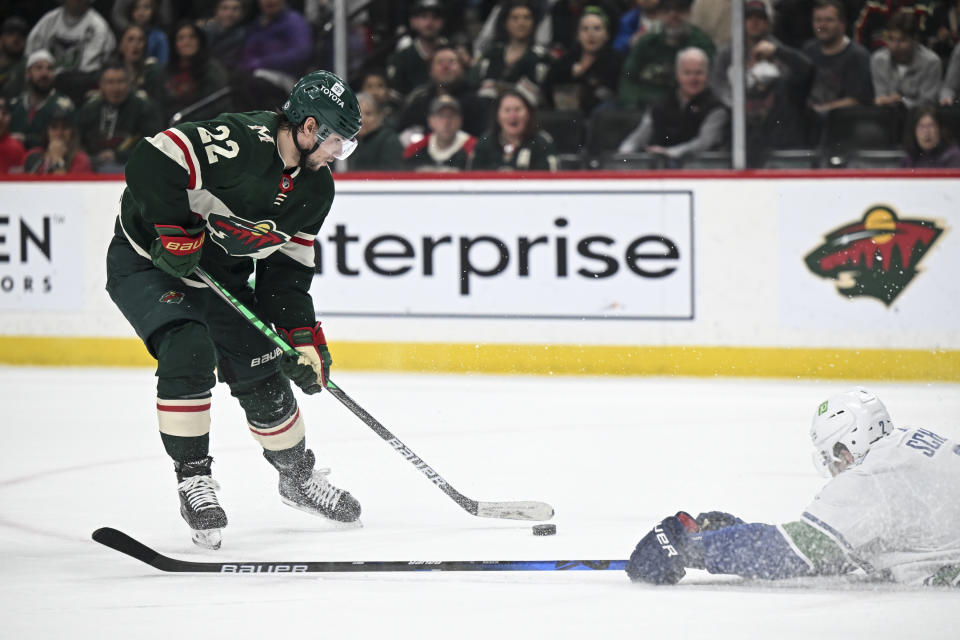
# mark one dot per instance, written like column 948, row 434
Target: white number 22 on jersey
column 213, row 150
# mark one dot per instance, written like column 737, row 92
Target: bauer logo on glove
column 312, row 368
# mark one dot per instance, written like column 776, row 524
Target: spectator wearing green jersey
column 515, row 142
column 648, row 72
column 116, row 119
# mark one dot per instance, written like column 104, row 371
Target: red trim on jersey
column 286, row 427
column 192, row 183
column 179, row 408
column 470, row 144
column 303, row 241
column 413, row 149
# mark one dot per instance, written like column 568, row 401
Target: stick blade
column 119, row 541
column 515, row 510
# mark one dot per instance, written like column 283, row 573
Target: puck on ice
column 544, row 529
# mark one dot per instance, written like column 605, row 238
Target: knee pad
column 272, row 413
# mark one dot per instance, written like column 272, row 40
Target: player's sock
column 307, row 489
column 198, row 501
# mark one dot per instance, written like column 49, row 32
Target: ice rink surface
column 613, row 455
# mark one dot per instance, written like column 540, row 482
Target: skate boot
column 305, row 488
column 198, row 502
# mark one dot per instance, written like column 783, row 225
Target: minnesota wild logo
column 172, row 297
column 239, row 237
column 875, row 257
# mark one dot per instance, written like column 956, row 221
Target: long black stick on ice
column 526, row 510
column 125, row 544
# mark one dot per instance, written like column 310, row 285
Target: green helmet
column 327, row 98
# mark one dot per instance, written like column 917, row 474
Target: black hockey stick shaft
column 525, row 510
column 123, row 543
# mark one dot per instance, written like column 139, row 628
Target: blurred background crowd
column 455, row 85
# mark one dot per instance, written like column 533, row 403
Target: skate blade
column 206, row 538
column 330, row 522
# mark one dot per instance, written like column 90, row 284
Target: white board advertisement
column 612, row 254
column 870, row 256
column 41, row 248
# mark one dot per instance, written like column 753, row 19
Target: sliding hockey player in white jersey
column 891, row 510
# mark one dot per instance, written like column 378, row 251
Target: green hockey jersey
column 228, row 171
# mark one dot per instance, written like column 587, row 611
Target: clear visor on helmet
column 335, row 144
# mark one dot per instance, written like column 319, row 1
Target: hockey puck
column 544, row 529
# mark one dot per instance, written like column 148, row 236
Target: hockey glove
column 177, row 250
column 311, row 370
column 662, row 555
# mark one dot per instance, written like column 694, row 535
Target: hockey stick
column 123, row 543
column 518, row 510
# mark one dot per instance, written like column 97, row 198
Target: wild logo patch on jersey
column 239, row 237
column 876, row 257
column 172, row 297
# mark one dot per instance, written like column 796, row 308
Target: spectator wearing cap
column 586, row 77
column 278, row 44
column 777, row 81
column 11, row 149
column 513, row 58
column 32, row 109
column 643, row 18
column 904, row 72
column 13, row 39
column 114, row 120
column 648, row 73
column 60, row 150
column 446, row 147
column 689, row 120
column 841, row 67
column 80, row 40
column 447, row 77
column 409, row 67
column 515, row 143
column 379, row 148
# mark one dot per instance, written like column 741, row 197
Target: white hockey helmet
column 851, row 421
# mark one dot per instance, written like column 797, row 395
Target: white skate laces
column 200, row 492
column 320, row 491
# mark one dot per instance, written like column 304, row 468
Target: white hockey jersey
column 898, row 511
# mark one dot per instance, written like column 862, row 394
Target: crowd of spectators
column 455, row 85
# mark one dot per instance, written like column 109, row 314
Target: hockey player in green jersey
column 242, row 193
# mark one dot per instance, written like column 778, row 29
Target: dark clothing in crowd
column 843, row 75
column 118, row 128
column 473, row 107
column 426, row 156
column 594, row 87
column 537, row 153
column 945, row 155
column 378, row 150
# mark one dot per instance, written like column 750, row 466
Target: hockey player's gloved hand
column 713, row 520
column 662, row 555
column 177, row 250
column 311, row 370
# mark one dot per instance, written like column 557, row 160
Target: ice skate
column 307, row 489
column 198, row 502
